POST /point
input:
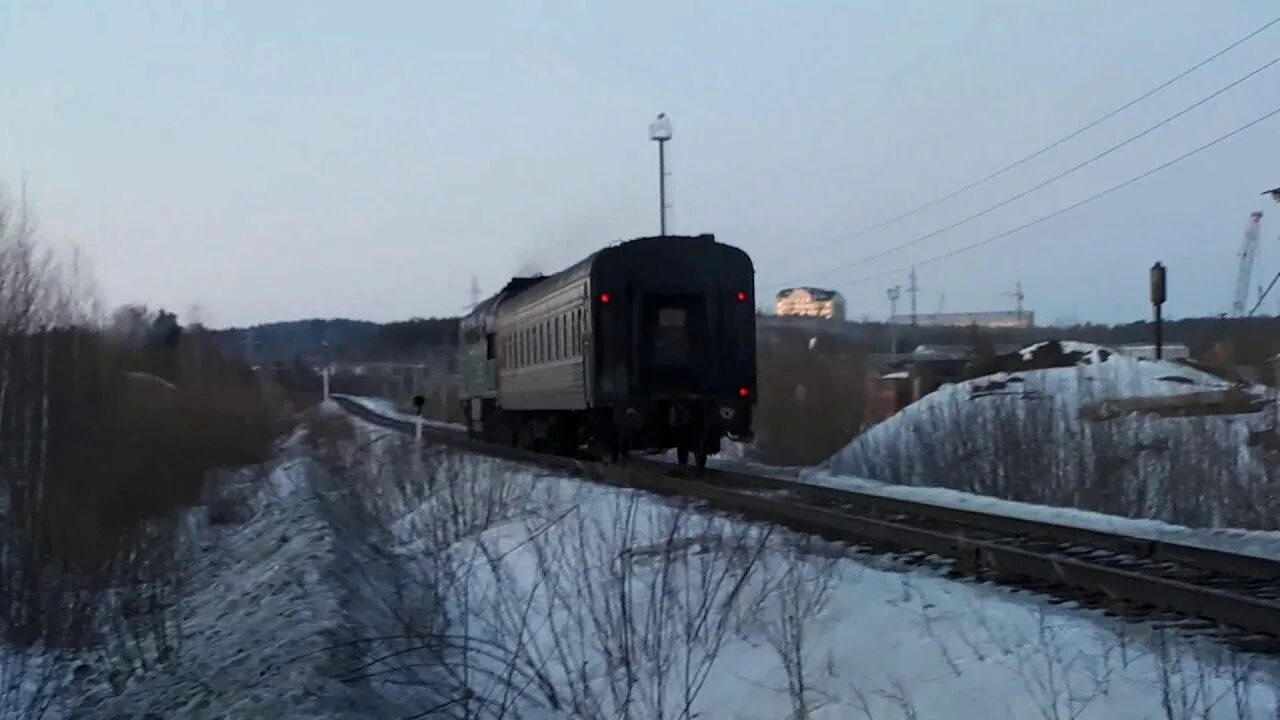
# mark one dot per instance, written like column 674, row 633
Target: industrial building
column 810, row 302
column 995, row 319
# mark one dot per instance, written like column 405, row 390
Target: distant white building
column 996, row 319
column 810, row 302
column 1171, row 351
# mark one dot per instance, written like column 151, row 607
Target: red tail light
column 604, row 298
column 742, row 297
column 743, row 392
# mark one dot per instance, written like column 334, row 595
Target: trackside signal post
column 1158, row 295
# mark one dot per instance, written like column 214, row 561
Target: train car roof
column 513, row 287
column 530, row 288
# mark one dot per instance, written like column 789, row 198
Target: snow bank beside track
column 1104, row 432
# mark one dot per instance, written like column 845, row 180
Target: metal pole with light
column 1158, row 295
column 660, row 132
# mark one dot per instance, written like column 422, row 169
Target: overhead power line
column 1065, row 138
column 1053, row 179
column 1068, row 208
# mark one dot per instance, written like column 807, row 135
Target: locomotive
column 647, row 345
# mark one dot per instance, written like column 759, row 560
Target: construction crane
column 1262, row 294
column 1248, row 253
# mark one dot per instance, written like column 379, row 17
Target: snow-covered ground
column 261, row 621
column 1032, row 435
column 616, row 595
column 1249, row 542
column 361, row 577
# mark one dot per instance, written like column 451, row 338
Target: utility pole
column 913, row 290
column 660, row 132
column 250, row 345
column 893, row 294
column 475, row 293
column 1017, row 297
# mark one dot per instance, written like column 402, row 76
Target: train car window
column 671, row 317
column 670, row 337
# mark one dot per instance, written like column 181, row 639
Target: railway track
column 1196, row 588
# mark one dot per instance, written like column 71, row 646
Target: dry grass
column 95, row 459
column 811, row 400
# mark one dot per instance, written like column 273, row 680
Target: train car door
column 672, row 343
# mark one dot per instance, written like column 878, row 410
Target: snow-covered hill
column 1079, row 425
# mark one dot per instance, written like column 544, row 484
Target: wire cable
column 1069, row 136
column 1051, row 180
column 1068, row 208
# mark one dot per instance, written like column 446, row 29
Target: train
column 647, row 345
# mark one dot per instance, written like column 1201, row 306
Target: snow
column 541, row 583
column 1249, row 542
column 259, row 615
column 365, row 577
column 1057, row 436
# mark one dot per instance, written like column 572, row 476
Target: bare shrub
column 503, row 592
column 1019, row 444
column 798, row 592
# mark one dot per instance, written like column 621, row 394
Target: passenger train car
column 646, row 345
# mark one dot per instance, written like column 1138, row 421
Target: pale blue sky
column 278, row 160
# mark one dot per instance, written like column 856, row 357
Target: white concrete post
column 417, row 430
column 325, row 374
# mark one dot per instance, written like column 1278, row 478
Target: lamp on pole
column 660, row 132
